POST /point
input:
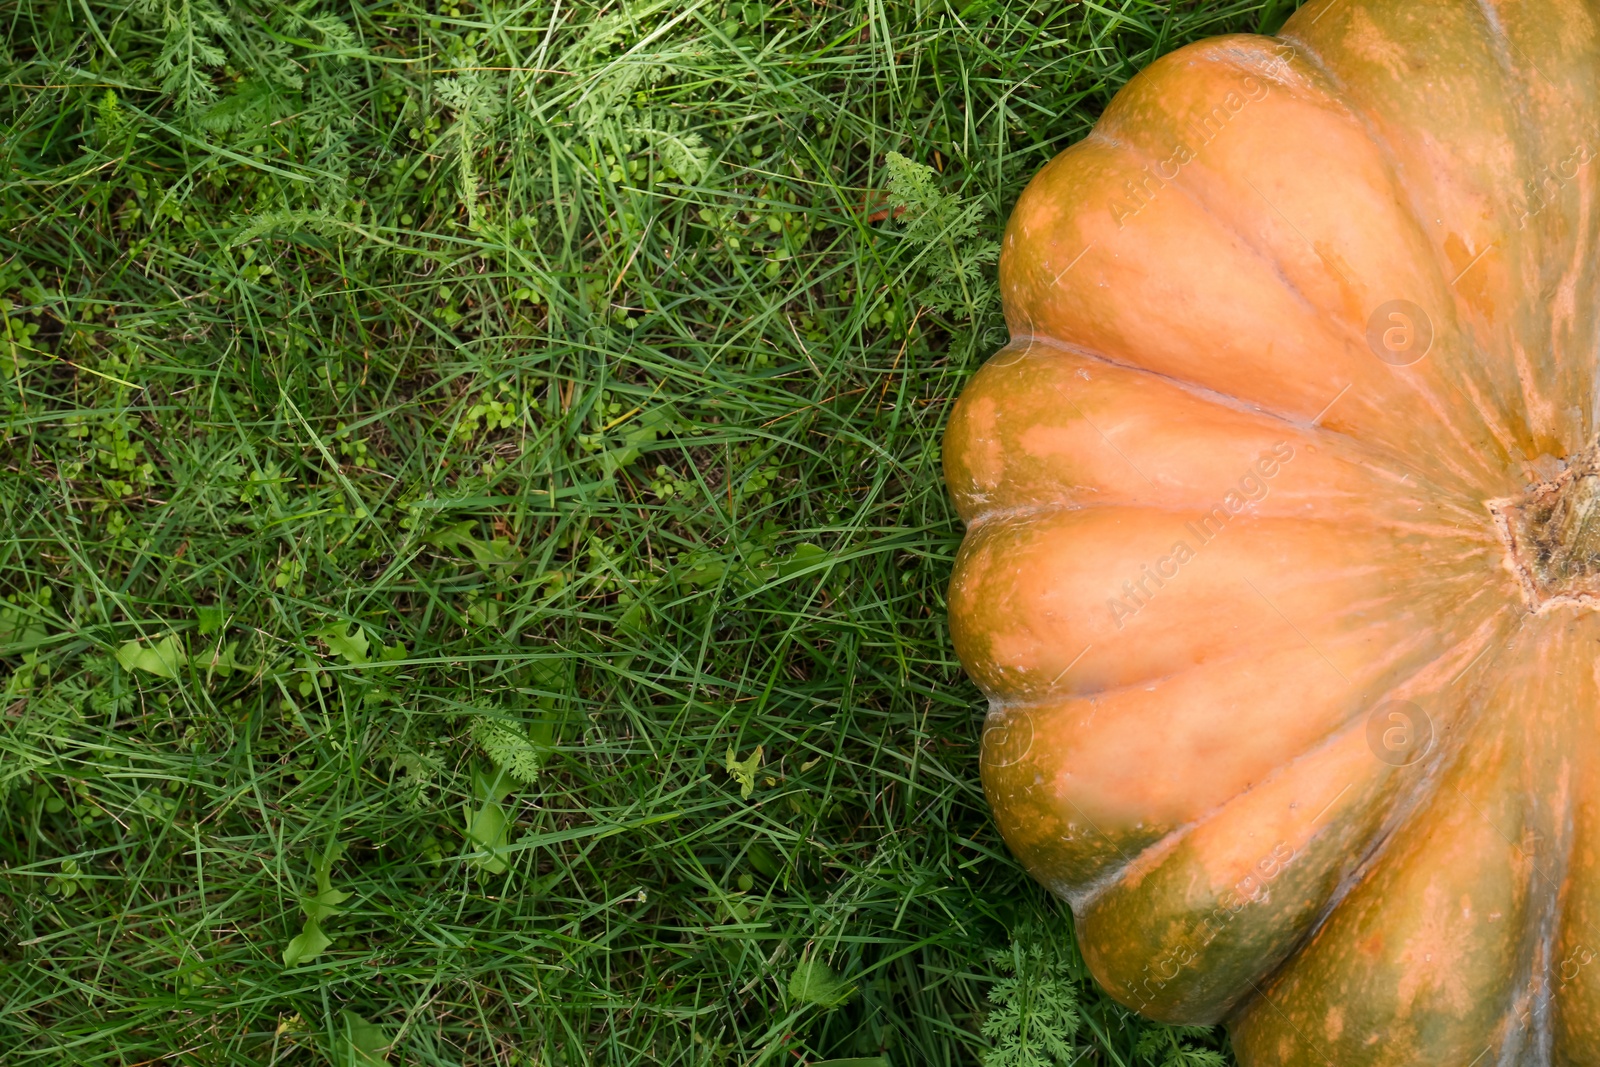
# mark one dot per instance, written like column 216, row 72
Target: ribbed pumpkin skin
column 1211, row 534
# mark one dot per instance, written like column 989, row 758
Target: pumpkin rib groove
column 1500, row 416
column 1221, row 399
column 1370, row 523
column 1084, row 895
column 1547, row 914
column 1467, row 475
column 1372, row 856
column 1541, row 909
column 1339, row 732
column 1000, row 704
column 1542, row 966
column 1115, row 409
column 1368, row 850
column 1013, row 575
column 1497, row 43
column 1495, row 418
column 1516, row 404
column 1072, row 677
column 1231, row 59
column 1053, row 700
column 1481, row 638
column 1492, row 418
column 1273, row 263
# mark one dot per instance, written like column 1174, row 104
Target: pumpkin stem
column 1576, row 532
column 1554, row 532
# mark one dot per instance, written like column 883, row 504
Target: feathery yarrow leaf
column 1036, row 1009
column 943, row 223
column 510, row 748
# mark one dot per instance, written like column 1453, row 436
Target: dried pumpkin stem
column 1554, row 532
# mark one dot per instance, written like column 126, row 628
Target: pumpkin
column 1283, row 536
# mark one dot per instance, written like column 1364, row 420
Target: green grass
column 515, row 417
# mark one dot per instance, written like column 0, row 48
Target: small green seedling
column 310, row 942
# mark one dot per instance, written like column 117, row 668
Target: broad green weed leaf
column 210, row 620
column 359, row 1043
column 487, row 553
column 762, row 859
column 325, row 867
column 324, row 905
column 311, row 941
column 652, row 424
column 744, row 771
column 192, row 973
column 813, row 982
column 803, row 557
column 703, row 572
column 307, row 944
column 162, row 658
column 495, row 553
column 635, row 621
column 223, row 661
column 18, row 629
column 488, row 825
column 488, row 829
column 352, row 646
column 456, row 536
column 491, row 784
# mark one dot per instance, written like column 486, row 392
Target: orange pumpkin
column 1283, row 545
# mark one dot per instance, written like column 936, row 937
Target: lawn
column 476, row 546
